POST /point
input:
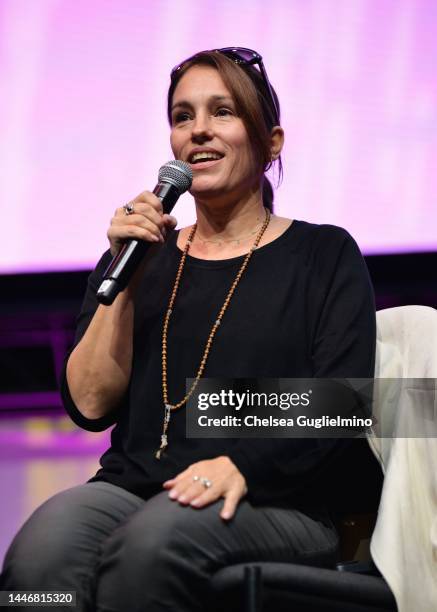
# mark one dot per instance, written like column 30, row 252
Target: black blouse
column 304, row 308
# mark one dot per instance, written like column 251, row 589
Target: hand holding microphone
column 141, row 219
column 142, row 222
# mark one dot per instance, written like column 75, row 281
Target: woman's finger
column 132, row 232
column 208, row 496
column 232, row 499
column 169, row 225
column 139, row 221
column 186, row 490
column 170, row 221
column 148, row 218
column 147, row 197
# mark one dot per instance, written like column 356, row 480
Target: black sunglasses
column 241, row 55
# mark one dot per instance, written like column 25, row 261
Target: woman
column 241, row 294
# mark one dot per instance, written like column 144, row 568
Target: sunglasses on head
column 240, row 55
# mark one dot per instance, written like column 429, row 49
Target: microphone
column 174, row 178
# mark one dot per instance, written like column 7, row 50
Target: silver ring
column 206, row 482
column 129, row 208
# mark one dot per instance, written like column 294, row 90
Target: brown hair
column 252, row 102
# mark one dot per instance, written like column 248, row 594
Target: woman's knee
column 164, row 533
column 40, row 544
column 61, row 537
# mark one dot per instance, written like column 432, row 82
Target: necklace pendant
column 164, row 443
column 164, row 439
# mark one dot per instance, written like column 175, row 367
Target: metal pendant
column 164, row 443
column 164, row 440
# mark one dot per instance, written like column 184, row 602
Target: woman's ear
column 276, row 142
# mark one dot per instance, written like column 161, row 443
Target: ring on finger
column 129, row 208
column 206, row 482
column 196, row 478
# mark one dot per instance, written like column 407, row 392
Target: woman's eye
column 181, row 117
column 223, row 111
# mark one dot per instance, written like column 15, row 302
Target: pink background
column 83, row 127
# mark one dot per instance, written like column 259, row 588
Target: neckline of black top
column 224, row 263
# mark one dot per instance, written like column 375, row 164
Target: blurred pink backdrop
column 83, row 127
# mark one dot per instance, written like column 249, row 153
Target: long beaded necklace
column 167, row 406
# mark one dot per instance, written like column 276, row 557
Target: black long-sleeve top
column 304, row 308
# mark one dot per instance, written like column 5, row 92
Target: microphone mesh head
column 178, row 173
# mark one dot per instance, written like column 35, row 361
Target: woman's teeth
column 199, row 157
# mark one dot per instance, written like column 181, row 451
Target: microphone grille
column 178, row 173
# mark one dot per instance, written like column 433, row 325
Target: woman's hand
column 147, row 222
column 226, row 481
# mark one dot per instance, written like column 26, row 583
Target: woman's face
column 204, row 121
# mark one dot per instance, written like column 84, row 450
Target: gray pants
column 119, row 552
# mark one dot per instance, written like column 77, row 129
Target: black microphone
column 174, row 178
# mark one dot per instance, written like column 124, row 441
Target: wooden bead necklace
column 167, row 406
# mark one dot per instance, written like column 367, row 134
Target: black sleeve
column 89, row 307
column 343, row 335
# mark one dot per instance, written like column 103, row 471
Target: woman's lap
column 110, row 545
